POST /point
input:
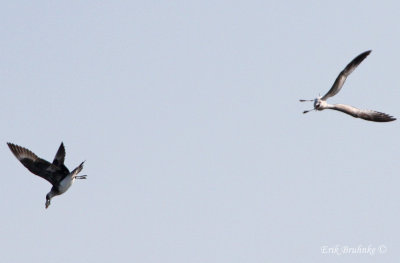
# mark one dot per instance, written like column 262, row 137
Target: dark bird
column 56, row 173
column 369, row 115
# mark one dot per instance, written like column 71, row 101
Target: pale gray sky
column 196, row 148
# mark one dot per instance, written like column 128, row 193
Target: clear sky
column 196, row 148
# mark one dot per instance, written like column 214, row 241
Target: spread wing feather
column 338, row 84
column 369, row 115
column 36, row 165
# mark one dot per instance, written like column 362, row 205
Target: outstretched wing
column 36, row 165
column 60, row 156
column 368, row 115
column 338, row 84
column 77, row 170
column 59, row 159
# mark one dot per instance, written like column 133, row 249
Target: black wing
column 59, row 159
column 36, row 165
column 344, row 74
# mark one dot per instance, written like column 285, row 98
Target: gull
column 369, row 115
column 56, row 173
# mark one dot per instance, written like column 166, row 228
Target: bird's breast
column 65, row 184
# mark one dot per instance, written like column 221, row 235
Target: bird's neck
column 52, row 193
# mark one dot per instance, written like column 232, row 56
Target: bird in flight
column 56, row 173
column 369, row 115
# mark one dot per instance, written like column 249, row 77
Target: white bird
column 369, row 115
column 56, row 173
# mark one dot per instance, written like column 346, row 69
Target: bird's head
column 48, row 199
column 317, row 103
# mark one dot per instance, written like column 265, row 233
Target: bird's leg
column 306, row 111
column 80, row 177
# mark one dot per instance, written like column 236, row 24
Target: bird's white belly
column 65, row 184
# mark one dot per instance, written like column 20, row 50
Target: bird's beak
column 47, row 203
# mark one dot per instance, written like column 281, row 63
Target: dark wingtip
column 383, row 117
column 11, row 146
column 366, row 53
column 361, row 57
column 388, row 118
column 82, row 163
